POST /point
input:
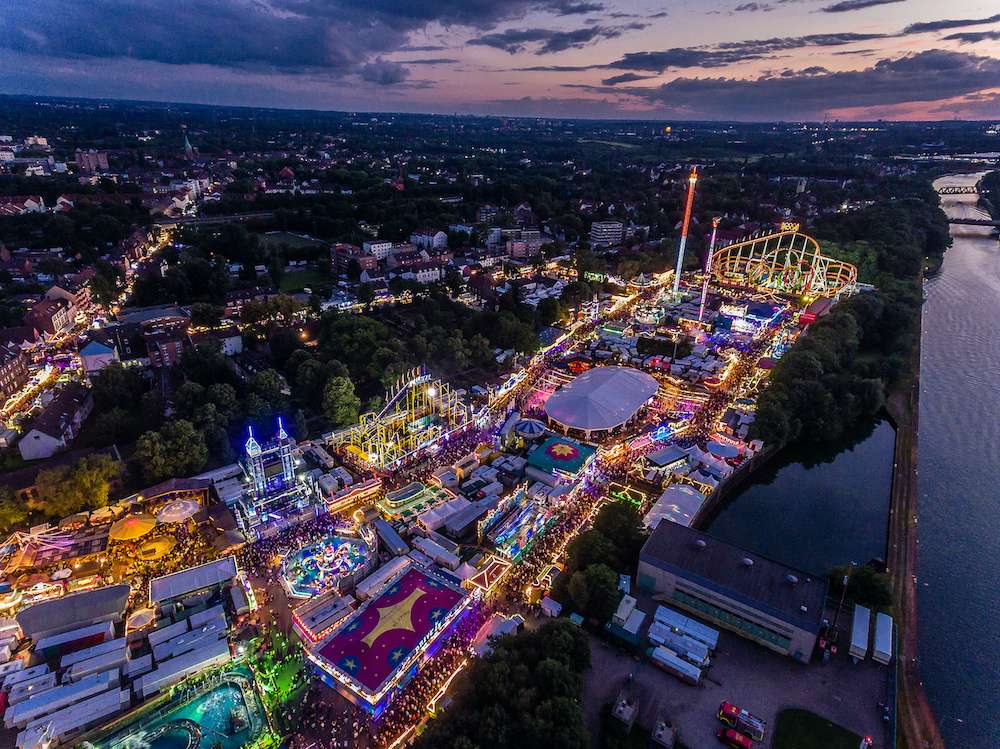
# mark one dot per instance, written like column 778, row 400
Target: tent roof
column 601, row 398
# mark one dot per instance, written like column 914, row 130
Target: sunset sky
column 736, row 60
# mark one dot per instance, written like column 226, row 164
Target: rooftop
column 783, row 592
column 601, row 398
column 73, row 610
column 190, row 580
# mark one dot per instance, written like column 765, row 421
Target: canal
column 816, row 510
column 958, row 594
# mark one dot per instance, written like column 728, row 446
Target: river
column 959, row 464
column 815, row 511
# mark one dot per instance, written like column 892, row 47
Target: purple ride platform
column 378, row 648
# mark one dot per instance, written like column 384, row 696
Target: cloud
column 923, row 77
column 972, row 37
column 752, row 8
column 846, row 6
column 625, row 78
column 383, row 72
column 338, row 36
column 579, row 8
column 549, row 41
column 431, row 61
column 946, row 24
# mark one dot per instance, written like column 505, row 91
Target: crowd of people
column 259, row 557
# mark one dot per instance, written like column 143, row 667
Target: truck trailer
column 882, row 646
column 859, row 632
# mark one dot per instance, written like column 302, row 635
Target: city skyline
column 753, row 61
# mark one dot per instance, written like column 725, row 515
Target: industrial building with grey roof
column 758, row 598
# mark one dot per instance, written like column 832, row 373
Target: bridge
column 959, row 190
column 975, row 221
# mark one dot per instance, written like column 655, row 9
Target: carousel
column 332, row 563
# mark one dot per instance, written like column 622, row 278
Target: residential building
column 51, row 316
column 91, row 161
column 58, row 424
column 13, row 370
column 75, row 289
column 343, row 254
column 486, row 213
column 407, row 258
column 228, row 338
column 427, row 238
column 165, row 340
column 778, row 607
column 605, row 233
column 237, row 299
column 379, row 249
column 95, row 356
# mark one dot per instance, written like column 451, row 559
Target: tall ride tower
column 708, row 268
column 692, row 181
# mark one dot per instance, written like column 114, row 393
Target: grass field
column 801, row 729
column 275, row 238
column 301, row 279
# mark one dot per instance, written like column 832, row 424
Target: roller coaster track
column 786, row 262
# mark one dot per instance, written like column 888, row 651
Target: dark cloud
column 548, row 41
column 971, row 37
column 923, row 77
column 383, row 72
column 279, row 35
column 579, row 8
column 625, row 78
column 431, row 61
column 946, row 24
column 752, row 8
column 422, row 48
column 846, row 6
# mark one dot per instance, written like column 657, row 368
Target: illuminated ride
column 420, row 410
column 784, row 262
column 332, row 563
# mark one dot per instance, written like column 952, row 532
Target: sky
column 749, row 60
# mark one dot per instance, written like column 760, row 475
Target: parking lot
column 748, row 675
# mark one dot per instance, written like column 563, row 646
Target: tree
column 206, row 315
column 340, row 403
column 12, row 511
column 116, row 386
column 300, row 428
column 271, row 388
column 366, row 294
column 549, row 311
column 66, row 489
column 178, row 449
column 602, row 594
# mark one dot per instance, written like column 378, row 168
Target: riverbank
column 915, row 719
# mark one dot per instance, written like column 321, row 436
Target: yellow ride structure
column 784, row 262
column 419, row 411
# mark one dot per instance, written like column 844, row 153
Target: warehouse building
column 776, row 606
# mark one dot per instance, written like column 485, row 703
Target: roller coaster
column 783, row 262
column 419, row 411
